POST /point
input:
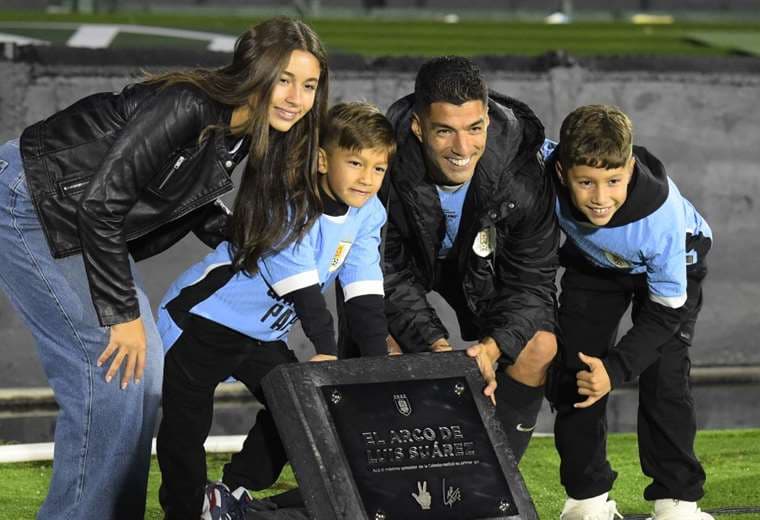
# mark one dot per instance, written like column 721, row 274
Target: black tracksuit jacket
column 507, row 294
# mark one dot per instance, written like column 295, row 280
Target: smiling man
column 470, row 216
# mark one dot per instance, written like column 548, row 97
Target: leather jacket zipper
column 174, row 169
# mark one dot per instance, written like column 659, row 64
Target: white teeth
column 286, row 114
column 459, row 162
column 600, row 211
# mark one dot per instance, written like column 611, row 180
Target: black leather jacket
column 499, row 275
column 125, row 173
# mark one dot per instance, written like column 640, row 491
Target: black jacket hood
column 647, row 190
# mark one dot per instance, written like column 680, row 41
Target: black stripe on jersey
column 192, row 295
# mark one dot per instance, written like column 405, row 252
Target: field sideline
column 375, row 37
column 731, row 459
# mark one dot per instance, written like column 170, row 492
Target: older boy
column 631, row 236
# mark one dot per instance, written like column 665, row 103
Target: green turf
column 731, row 460
column 744, row 42
column 374, row 37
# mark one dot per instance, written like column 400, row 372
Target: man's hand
column 127, row 340
column 594, row 383
column 486, row 353
column 440, row 345
column 322, row 357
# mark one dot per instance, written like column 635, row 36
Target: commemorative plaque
column 396, row 438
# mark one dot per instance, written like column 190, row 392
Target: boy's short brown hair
column 599, row 136
column 357, row 125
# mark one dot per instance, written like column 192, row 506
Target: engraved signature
column 451, row 495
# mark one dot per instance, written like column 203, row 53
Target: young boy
column 217, row 322
column 631, row 237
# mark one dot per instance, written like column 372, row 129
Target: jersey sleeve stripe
column 355, row 289
column 295, row 282
column 674, row 302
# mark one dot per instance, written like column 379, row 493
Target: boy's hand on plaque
column 440, row 345
column 486, row 353
column 322, row 357
column 594, row 383
column 394, row 349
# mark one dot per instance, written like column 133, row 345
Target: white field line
column 217, row 42
column 93, row 36
column 44, row 450
column 20, row 40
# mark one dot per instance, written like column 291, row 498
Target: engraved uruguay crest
column 340, row 255
column 403, row 405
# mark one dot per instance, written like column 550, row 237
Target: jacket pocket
column 170, row 181
column 74, row 186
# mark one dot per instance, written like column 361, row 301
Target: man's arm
column 526, row 267
column 412, row 322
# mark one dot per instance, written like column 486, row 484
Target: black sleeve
column 158, row 127
column 316, row 320
column 365, row 316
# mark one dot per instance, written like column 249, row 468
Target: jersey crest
column 485, row 242
column 340, row 255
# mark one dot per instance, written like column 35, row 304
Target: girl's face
column 295, row 90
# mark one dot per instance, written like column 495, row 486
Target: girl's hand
column 127, row 341
column 323, row 357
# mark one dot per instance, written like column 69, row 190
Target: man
column 470, row 216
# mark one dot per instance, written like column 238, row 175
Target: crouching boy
column 631, row 238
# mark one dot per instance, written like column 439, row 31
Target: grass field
column 731, row 460
column 373, row 37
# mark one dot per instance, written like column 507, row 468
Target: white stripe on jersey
column 355, row 289
column 674, row 302
column 295, row 282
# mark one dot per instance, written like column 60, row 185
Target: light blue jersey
column 452, row 202
column 654, row 244
column 346, row 247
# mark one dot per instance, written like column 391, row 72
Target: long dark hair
column 278, row 199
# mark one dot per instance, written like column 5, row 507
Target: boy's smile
column 352, row 176
column 598, row 192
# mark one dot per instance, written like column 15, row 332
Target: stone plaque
column 396, row 438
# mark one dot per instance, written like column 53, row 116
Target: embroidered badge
column 617, row 261
column 340, row 255
column 485, row 242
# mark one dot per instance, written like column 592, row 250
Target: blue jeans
column 103, row 434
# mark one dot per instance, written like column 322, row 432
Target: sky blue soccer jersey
column 344, row 247
column 654, row 244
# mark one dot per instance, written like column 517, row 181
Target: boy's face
column 597, row 192
column 352, row 176
column 453, row 139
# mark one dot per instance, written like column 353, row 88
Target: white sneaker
column 670, row 509
column 595, row 508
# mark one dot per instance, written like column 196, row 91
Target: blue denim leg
column 103, row 434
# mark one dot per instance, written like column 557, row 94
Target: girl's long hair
column 278, row 199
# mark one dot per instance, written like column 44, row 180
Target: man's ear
column 322, row 161
column 417, row 127
column 559, row 172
